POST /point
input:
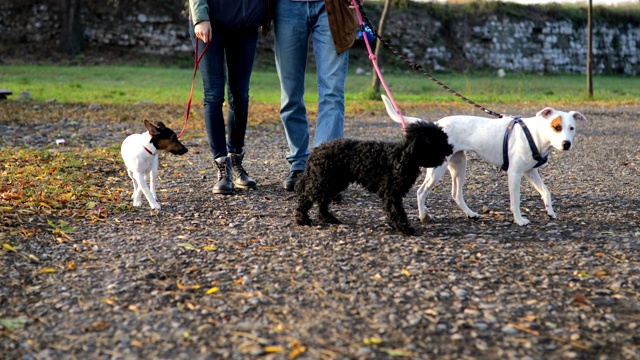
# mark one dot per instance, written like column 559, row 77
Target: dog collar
column 149, row 151
column 532, row 145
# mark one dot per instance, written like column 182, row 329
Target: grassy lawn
column 128, row 85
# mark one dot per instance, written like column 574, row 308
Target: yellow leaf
column 47, row 271
column 195, row 287
column 9, row 248
column 212, row 290
column 372, row 341
column 108, row 301
column 33, row 258
column 210, row 248
column 71, row 265
column 180, row 285
column 406, row 272
column 45, row 205
column 296, row 350
column 273, row 349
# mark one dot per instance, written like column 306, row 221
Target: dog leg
column 397, row 216
column 142, row 187
column 458, row 170
column 137, row 193
column 324, row 213
column 534, row 178
column 431, row 179
column 153, row 178
column 302, row 211
column 514, row 193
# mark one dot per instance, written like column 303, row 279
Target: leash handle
column 372, row 57
column 193, row 80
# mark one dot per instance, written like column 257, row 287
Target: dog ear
column 152, row 129
column 546, row 112
column 577, row 116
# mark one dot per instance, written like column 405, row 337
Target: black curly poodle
column 387, row 169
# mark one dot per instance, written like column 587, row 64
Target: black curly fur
column 387, row 169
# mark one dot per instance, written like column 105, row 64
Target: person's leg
column 240, row 54
column 291, row 28
column 213, row 82
column 212, row 71
column 332, row 75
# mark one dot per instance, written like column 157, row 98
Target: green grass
column 126, row 84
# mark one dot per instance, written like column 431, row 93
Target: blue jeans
column 238, row 47
column 294, row 22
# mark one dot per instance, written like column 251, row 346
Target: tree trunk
column 376, row 82
column 72, row 38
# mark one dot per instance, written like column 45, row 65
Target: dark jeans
column 238, row 48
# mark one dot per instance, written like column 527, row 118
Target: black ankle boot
column 240, row 177
column 224, row 185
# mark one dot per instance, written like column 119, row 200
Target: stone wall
column 441, row 37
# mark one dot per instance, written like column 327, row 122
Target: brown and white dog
column 549, row 129
column 140, row 155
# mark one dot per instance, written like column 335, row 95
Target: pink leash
column 193, row 80
column 372, row 57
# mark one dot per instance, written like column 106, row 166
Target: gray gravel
column 487, row 289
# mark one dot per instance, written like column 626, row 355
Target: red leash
column 193, row 80
column 372, row 57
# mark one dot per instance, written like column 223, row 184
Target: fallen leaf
column 406, row 272
column 209, row 248
column 212, row 290
column 273, row 349
column 9, row 248
column 97, row 326
column 47, row 271
column 187, row 246
column 14, row 323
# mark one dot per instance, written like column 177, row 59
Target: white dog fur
column 550, row 128
column 140, row 155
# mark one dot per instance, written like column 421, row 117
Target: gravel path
column 213, row 277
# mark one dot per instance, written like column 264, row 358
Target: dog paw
column 521, row 221
column 303, row 221
column 427, row 218
column 407, row 230
column 552, row 215
column 474, row 217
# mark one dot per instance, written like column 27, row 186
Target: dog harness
column 534, row 149
column 149, row 151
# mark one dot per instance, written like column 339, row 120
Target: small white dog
column 140, row 155
column 489, row 138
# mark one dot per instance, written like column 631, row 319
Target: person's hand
column 203, row 31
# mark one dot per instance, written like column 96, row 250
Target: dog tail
column 394, row 115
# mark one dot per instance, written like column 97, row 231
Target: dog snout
column 180, row 151
column 566, row 145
